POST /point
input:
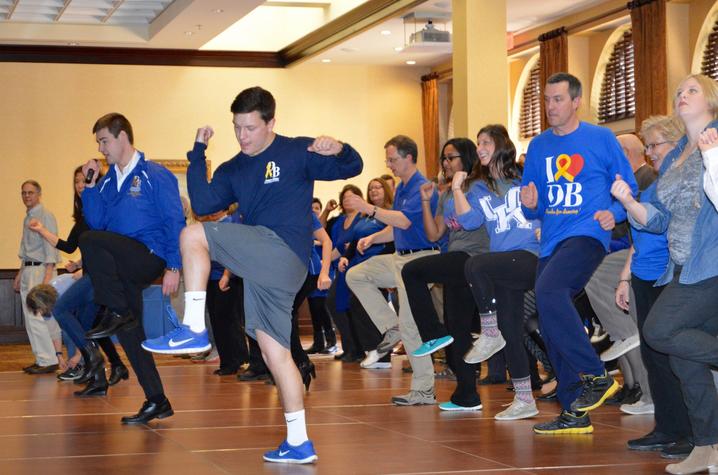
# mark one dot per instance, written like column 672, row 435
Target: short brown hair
column 404, row 146
column 41, row 299
column 115, row 123
column 33, row 183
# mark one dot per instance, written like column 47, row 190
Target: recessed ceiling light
column 326, row 60
column 73, row 44
column 189, row 33
column 411, row 62
column 218, row 11
column 385, row 32
column 398, row 48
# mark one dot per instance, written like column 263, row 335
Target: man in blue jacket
column 272, row 179
column 135, row 216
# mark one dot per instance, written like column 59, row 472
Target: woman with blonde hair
column 683, row 322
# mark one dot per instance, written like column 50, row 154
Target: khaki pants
column 384, row 271
column 38, row 330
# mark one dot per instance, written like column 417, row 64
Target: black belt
column 412, row 251
column 31, row 263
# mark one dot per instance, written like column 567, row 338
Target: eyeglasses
column 389, row 161
column 450, row 157
column 650, row 146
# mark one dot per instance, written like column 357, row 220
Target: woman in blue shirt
column 683, row 322
column 457, row 156
column 646, row 262
column 499, row 278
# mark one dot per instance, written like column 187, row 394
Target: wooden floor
column 223, row 426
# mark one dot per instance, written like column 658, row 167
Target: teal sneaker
column 433, row 345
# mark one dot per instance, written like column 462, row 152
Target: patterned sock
column 489, row 324
column 522, row 389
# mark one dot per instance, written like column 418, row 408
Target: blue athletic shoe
column 179, row 341
column 450, row 406
column 433, row 345
column 286, row 453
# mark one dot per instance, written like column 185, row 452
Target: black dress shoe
column 43, row 369
column 549, row 396
column 149, row 411
column 679, row 450
column 225, row 371
column 110, row 323
column 314, row 349
column 651, row 441
column 32, row 366
column 97, row 384
column 252, row 375
column 118, row 373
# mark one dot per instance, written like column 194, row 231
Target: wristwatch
column 172, row 269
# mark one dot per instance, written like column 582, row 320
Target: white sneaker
column 372, row 359
column 518, row 409
column 484, row 348
column 638, row 407
column 378, row 365
column 620, row 348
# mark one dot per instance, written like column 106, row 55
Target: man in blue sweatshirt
column 566, row 184
column 135, row 216
column 272, row 179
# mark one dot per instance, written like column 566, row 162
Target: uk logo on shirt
column 563, row 189
column 271, row 174
column 506, row 213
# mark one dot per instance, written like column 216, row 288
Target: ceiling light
column 326, row 60
column 385, row 32
column 189, row 33
column 411, row 62
column 73, row 44
column 218, row 11
column 398, row 48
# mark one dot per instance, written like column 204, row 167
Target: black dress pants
column 459, row 311
column 120, row 269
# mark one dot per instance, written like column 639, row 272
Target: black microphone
column 90, row 174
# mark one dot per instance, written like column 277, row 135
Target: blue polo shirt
column 408, row 200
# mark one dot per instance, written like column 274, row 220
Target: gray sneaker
column 484, row 348
column 518, row 410
column 414, row 398
column 391, row 338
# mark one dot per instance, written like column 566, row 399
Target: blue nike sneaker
column 433, row 345
column 303, row 453
column 179, row 341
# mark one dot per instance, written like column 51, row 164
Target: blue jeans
column 559, row 278
column 75, row 310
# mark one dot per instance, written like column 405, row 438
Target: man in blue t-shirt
column 405, row 226
column 567, row 180
column 272, row 179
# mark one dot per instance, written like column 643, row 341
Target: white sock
column 296, row 428
column 194, row 310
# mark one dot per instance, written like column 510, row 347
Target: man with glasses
column 37, row 266
column 405, row 226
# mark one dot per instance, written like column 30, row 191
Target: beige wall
column 48, row 111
